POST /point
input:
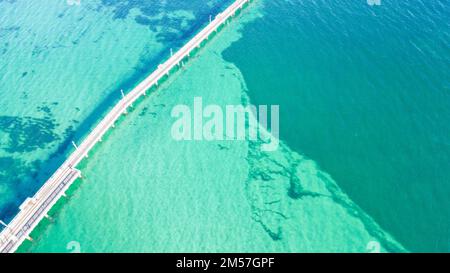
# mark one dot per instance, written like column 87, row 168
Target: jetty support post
column 75, row 145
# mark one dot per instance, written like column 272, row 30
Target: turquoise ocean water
column 364, row 91
column 364, row 98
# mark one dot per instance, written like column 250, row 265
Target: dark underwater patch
column 8, row 30
column 169, row 28
column 7, row 34
column 38, row 50
column 27, row 134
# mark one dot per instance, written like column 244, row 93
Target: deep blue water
column 35, row 137
column 365, row 92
